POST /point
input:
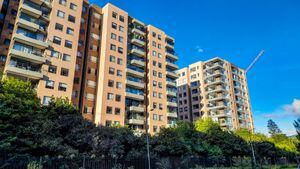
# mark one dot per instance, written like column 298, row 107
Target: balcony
column 134, row 73
column 137, row 109
column 135, row 96
column 31, row 56
column 215, row 65
column 215, row 81
column 31, row 10
column 136, row 30
column 172, row 104
column 217, row 106
column 138, row 52
column 46, row 3
column 137, row 63
column 170, row 83
column 171, row 93
column 216, row 89
column 171, row 55
column 215, row 73
column 10, row 69
column 172, row 65
column 135, row 84
column 217, row 97
column 28, row 25
column 173, row 115
column 136, row 121
column 171, row 74
column 30, row 41
column 170, row 46
column 138, row 42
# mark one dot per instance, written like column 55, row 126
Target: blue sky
column 237, row 30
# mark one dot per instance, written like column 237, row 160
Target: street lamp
column 147, row 138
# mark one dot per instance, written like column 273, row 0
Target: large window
column 60, row 14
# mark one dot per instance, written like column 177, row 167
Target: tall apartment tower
column 215, row 88
column 115, row 68
column 125, row 71
column 39, row 42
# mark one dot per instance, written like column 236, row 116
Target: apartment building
column 39, row 43
column 125, row 75
column 215, row 88
column 115, row 68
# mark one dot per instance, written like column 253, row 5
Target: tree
column 297, row 126
column 206, row 124
column 273, row 128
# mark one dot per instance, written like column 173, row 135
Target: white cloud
column 292, row 109
column 199, row 49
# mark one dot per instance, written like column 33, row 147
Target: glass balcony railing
column 24, row 65
column 137, row 48
column 29, row 34
column 133, row 57
column 134, row 91
column 33, row 20
column 27, row 49
column 134, row 79
column 135, row 68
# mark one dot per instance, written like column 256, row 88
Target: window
column 120, row 50
column 113, row 47
column 46, row 100
column 108, row 110
column 160, row 85
column 63, row 2
column 121, row 28
column 117, row 111
column 64, row 72
column 154, row 83
column 154, row 73
column 159, row 65
column 160, row 95
column 70, row 31
column 71, row 18
column 56, row 40
column 121, row 18
column 159, row 74
column 112, row 59
column 159, row 37
column 110, row 83
column 66, row 57
column 119, row 85
column 119, row 73
column 114, row 14
column 73, row 6
column 110, row 96
column 76, row 80
column 68, row 44
column 159, row 46
column 161, row 118
column 61, row 14
column 155, row 129
column 118, row 98
column 155, row 117
column 55, row 54
column 62, row 87
column 121, row 39
column 7, row 42
column 120, row 61
column 154, row 63
column 114, row 25
column 108, row 123
column 52, row 69
column 59, row 27
column 159, row 55
column 154, row 43
column 49, row 84
column 111, row 71
column 153, row 34
column 154, row 105
column 113, row 36
column 154, row 94
column 153, row 53
column 10, row 26
column 160, row 106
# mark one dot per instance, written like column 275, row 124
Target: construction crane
column 255, row 60
column 248, row 68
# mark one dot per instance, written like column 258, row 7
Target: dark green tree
column 273, row 128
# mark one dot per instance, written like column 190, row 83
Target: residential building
column 215, row 88
column 126, row 73
column 115, row 68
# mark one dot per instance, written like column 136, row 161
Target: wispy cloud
column 292, row 109
column 199, row 49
